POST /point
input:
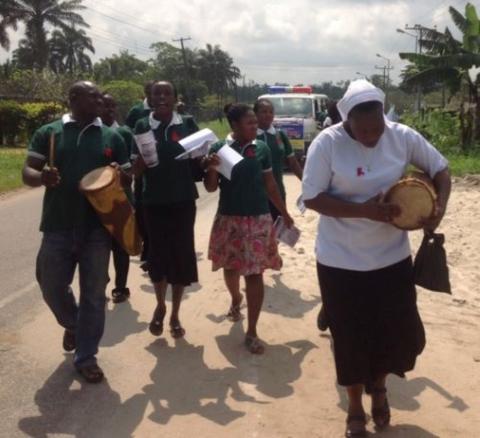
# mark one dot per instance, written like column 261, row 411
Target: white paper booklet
column 147, row 145
column 229, row 157
column 197, row 144
column 289, row 236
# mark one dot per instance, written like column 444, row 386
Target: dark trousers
column 60, row 254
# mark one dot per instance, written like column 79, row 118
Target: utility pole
column 181, row 40
column 386, row 75
column 418, row 29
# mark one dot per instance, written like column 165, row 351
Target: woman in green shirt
column 168, row 198
column 243, row 240
column 280, row 147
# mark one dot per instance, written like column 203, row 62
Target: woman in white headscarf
column 364, row 263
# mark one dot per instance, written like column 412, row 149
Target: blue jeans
column 59, row 255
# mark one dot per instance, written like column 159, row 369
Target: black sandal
column 176, row 330
column 381, row 416
column 356, row 426
column 119, row 295
column 156, row 325
column 91, row 373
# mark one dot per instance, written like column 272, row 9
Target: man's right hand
column 50, row 177
column 376, row 209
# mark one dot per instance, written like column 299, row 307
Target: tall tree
column 9, row 16
column 120, row 67
column 37, row 14
column 67, row 51
column 216, row 68
column 449, row 61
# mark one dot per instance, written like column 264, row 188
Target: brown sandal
column 91, row 373
column 356, row 426
column 381, row 416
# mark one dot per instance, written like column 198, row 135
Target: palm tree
column 67, row 51
column 38, row 13
column 217, row 69
column 448, row 61
column 24, row 55
column 9, row 16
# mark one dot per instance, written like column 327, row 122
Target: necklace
column 368, row 156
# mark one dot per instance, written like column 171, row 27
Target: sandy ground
column 207, row 384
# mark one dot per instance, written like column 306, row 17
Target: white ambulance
column 299, row 113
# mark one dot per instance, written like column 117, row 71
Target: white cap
column 359, row 91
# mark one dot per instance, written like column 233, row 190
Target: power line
column 118, row 12
column 109, row 35
column 118, row 20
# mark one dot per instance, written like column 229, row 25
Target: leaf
column 459, row 20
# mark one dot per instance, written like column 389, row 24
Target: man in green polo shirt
column 72, row 232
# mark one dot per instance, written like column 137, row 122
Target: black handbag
column 430, row 265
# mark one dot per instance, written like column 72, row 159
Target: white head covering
column 359, row 91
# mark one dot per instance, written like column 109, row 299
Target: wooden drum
column 416, row 199
column 103, row 190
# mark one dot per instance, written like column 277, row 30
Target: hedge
column 18, row 121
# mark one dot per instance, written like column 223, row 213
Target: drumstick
column 51, row 155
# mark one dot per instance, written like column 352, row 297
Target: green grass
column 11, row 163
column 221, row 129
column 461, row 165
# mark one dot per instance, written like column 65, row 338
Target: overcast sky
column 293, row 41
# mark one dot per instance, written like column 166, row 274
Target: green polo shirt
column 245, row 193
column 77, row 152
column 171, row 181
column 281, row 148
column 136, row 113
column 127, row 136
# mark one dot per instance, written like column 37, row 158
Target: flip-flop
column 156, row 324
column 91, row 373
column 176, row 330
column 254, row 345
column 234, row 314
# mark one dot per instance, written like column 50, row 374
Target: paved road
column 19, row 242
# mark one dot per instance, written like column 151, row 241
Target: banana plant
column 451, row 63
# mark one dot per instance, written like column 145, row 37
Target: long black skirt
column 374, row 321
column 171, row 252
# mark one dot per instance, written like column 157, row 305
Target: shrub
column 12, row 114
column 441, row 128
column 126, row 94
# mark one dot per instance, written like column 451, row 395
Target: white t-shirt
column 344, row 168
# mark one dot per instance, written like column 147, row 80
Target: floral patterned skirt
column 246, row 244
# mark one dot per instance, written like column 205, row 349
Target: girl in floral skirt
column 243, row 240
